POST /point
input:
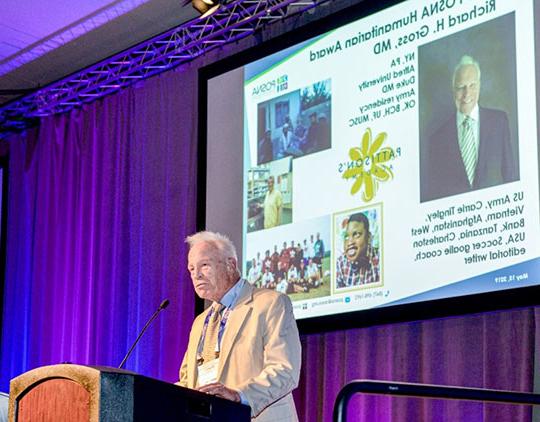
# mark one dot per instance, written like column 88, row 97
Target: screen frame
column 454, row 306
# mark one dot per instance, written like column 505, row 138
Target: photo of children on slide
column 357, row 246
column 468, row 110
column 295, row 124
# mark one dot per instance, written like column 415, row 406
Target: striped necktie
column 212, row 332
column 467, row 145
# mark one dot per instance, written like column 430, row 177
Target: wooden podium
column 78, row 393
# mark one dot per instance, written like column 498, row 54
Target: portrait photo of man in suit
column 245, row 347
column 472, row 149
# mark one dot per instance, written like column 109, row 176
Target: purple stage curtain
column 100, row 201
column 491, row 350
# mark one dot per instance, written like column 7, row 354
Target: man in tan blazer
column 258, row 348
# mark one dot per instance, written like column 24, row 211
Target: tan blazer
column 260, row 353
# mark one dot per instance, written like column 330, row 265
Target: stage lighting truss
column 234, row 20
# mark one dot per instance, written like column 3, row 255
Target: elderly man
column 245, row 347
column 472, row 150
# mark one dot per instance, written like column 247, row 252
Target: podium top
column 87, row 376
column 120, row 395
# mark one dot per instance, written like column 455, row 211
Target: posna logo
column 278, row 84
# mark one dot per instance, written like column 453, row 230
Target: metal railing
column 426, row 391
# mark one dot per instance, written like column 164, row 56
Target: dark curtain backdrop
column 100, row 201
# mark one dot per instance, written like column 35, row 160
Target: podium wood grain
column 47, row 402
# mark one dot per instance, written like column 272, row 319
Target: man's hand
column 218, row 389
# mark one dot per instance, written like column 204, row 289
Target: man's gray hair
column 465, row 61
column 221, row 242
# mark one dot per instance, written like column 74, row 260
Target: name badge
column 207, row 372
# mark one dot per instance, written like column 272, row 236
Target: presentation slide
column 394, row 159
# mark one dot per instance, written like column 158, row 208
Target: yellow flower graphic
column 370, row 165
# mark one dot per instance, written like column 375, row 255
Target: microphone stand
column 163, row 305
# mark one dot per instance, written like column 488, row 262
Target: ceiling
column 42, row 41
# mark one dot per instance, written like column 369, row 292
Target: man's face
column 466, row 88
column 212, row 275
column 356, row 241
column 270, row 184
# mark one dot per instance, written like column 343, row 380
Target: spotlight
column 206, row 7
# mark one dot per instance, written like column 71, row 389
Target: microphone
column 162, row 306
